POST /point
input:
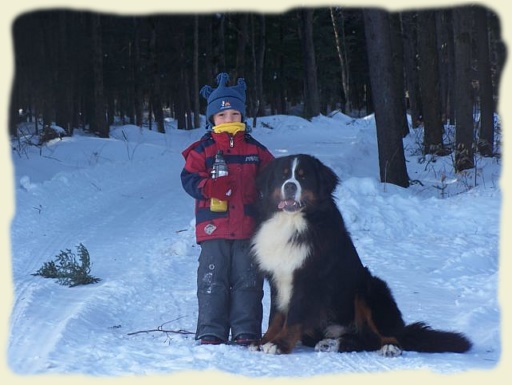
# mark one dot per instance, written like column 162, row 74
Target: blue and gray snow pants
column 229, row 290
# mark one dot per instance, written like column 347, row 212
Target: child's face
column 227, row 116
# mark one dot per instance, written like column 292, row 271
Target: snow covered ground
column 122, row 199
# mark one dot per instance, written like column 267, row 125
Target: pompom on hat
column 224, row 97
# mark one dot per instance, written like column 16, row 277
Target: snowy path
column 439, row 256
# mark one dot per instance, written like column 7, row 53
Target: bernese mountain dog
column 321, row 294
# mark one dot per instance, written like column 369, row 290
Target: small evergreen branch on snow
column 69, row 269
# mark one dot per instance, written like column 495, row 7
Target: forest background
column 144, row 9
column 442, row 66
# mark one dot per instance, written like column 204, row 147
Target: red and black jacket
column 245, row 157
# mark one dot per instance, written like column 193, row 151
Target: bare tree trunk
column 445, row 48
column 409, row 28
column 221, row 45
column 311, row 95
column 197, row 120
column 486, row 137
column 429, row 83
column 388, row 106
column 242, row 36
column 182, row 87
column 208, row 71
column 156, row 97
column 64, row 76
column 138, row 101
column 281, row 97
column 187, row 92
column 462, row 25
column 46, row 95
column 449, row 108
column 340, row 43
column 260, row 61
column 99, row 120
column 14, row 105
column 397, row 50
column 258, row 56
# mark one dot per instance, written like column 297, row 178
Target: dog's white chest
column 277, row 254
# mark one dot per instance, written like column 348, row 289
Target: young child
column 229, row 286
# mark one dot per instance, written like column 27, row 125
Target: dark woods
column 90, row 70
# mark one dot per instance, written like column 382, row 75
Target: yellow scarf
column 230, row 128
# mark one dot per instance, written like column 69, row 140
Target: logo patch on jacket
column 252, row 159
column 209, row 229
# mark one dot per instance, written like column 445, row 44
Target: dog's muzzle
column 290, row 192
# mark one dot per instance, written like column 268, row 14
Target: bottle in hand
column 220, row 168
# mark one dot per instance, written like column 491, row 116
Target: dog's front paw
column 390, row 350
column 254, row 347
column 270, row 348
column 328, row 345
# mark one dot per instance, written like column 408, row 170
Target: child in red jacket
column 229, row 286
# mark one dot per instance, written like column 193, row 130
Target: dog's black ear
column 328, row 178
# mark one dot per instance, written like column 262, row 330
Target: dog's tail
column 420, row 337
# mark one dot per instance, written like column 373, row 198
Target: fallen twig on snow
column 161, row 329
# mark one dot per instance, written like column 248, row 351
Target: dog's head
column 295, row 183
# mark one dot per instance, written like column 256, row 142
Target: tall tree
column 311, row 95
column 207, row 48
column 429, row 83
column 181, row 82
column 388, row 105
column 155, row 91
column 64, row 74
column 47, row 92
column 446, row 53
column 397, row 50
column 24, row 86
column 98, row 122
column 360, row 89
column 339, row 40
column 258, row 59
column 486, row 99
column 195, row 75
column 220, row 47
column 242, row 40
column 278, row 51
column 412, row 87
column 136, row 69
column 464, row 135
column 498, row 49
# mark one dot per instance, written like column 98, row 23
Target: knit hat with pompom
column 224, row 97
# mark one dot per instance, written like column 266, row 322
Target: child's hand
column 220, row 188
